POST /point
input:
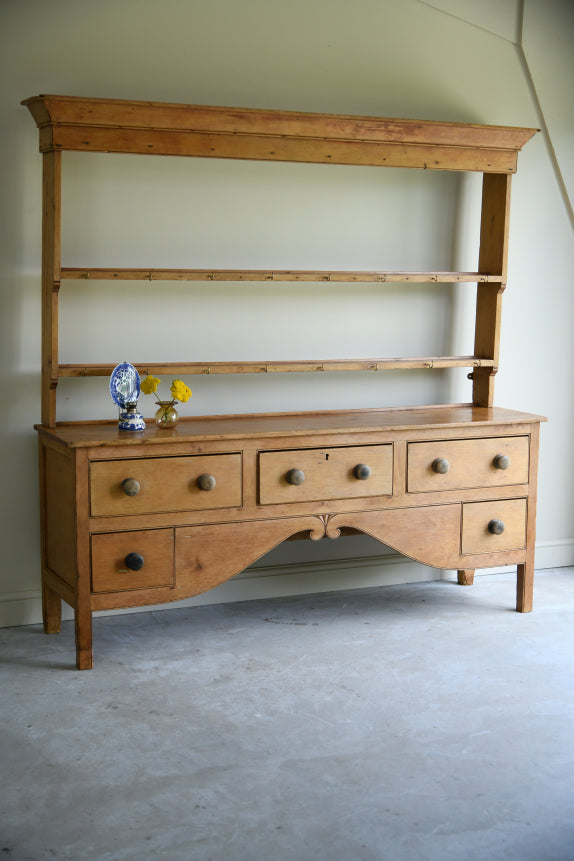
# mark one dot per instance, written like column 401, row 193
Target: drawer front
column 491, row 526
column 164, row 484
column 132, row 560
column 468, row 463
column 328, row 473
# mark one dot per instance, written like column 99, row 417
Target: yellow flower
column 149, row 385
column 180, row 392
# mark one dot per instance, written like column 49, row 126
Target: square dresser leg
column 83, row 625
column 466, row 576
column 51, row 610
column 525, row 586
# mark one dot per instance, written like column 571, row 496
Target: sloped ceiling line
column 506, row 21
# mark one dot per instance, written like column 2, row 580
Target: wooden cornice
column 155, row 128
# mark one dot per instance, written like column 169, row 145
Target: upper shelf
column 155, row 128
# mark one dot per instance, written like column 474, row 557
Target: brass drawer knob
column 206, row 481
column 496, row 527
column 501, row 461
column 295, row 476
column 362, row 471
column 134, row 561
column 440, row 465
column 131, row 487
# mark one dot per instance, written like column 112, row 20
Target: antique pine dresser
column 151, row 517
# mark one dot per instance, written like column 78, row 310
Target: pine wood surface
column 58, row 492
column 446, row 417
column 167, row 484
column 475, row 519
column 109, row 125
column 492, row 257
column 282, row 367
column 465, row 577
column 525, row 571
column 51, row 262
column 109, row 551
column 283, row 275
column 471, row 463
column 328, row 473
column 300, row 366
column 138, row 114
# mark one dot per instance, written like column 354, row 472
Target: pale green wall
column 405, row 58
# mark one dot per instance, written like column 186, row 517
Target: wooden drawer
column 112, row 565
column 329, row 473
column 477, row 518
column 165, row 484
column 469, row 463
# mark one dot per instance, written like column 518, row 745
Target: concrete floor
column 425, row 721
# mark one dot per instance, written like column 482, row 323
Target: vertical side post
column 51, row 601
column 83, row 593
column 525, row 571
column 492, row 260
column 51, row 262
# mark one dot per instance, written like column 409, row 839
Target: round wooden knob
column 295, row 476
column 501, row 461
column 131, row 487
column 206, row 481
column 496, row 527
column 362, row 471
column 134, row 561
column 440, row 465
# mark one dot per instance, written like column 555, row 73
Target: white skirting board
column 277, row 581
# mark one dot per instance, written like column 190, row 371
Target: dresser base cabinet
column 130, row 520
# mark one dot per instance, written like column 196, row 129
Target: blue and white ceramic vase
column 125, row 390
column 130, row 419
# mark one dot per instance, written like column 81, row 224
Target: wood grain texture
column 525, row 572
column 83, row 591
column 167, row 484
column 471, row 463
column 492, row 258
column 476, row 517
column 109, row 568
column 84, row 274
column 430, row 534
column 107, row 125
column 123, row 113
column 51, row 261
column 268, row 148
column 465, row 576
column 283, row 367
column 56, row 585
column 60, row 520
column 443, row 418
column 328, row 473
column 51, row 609
column 209, row 555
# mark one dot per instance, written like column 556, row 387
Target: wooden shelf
column 293, row 367
column 117, row 274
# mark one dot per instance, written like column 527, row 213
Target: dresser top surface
column 248, row 426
